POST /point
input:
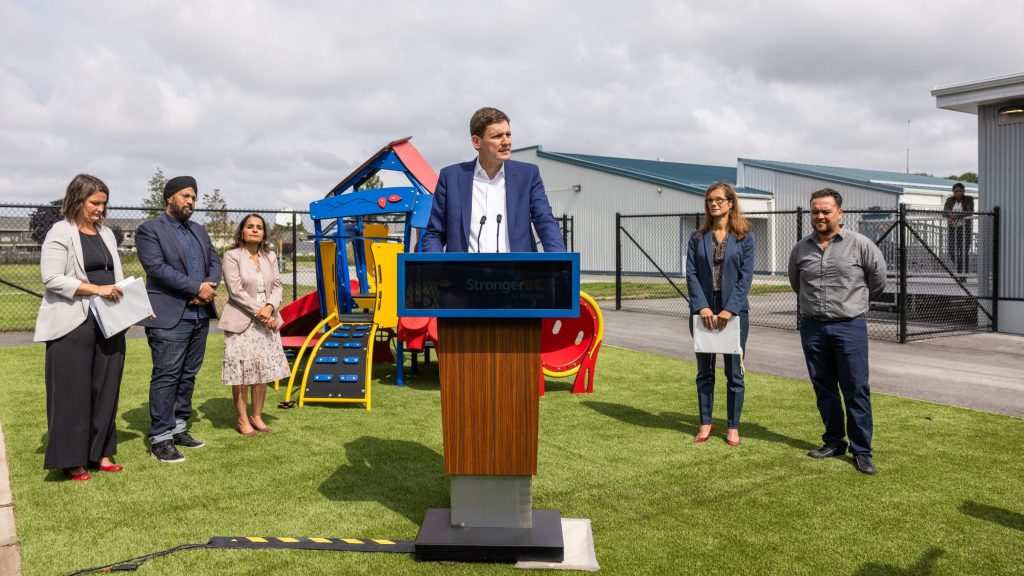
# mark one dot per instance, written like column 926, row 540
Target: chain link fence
column 940, row 273
column 23, row 229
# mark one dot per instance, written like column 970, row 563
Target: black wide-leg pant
column 83, row 382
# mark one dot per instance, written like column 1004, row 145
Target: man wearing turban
column 182, row 274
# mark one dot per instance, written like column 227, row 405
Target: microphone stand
column 480, row 231
column 497, row 236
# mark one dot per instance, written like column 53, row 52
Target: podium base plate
column 439, row 540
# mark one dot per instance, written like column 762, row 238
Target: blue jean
column 733, row 372
column 177, row 357
column 837, row 361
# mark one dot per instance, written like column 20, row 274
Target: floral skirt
column 253, row 357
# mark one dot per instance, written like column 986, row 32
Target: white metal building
column 592, row 189
column 999, row 105
column 791, row 185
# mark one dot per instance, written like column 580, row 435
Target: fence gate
column 941, row 275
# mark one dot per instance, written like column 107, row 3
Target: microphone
column 497, row 236
column 480, row 231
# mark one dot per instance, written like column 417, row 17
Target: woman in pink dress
column 253, row 355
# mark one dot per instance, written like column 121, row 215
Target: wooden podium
column 489, row 309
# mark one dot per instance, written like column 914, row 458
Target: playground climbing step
column 340, row 367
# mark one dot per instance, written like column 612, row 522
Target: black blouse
column 99, row 263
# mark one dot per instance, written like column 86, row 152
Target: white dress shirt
column 489, row 201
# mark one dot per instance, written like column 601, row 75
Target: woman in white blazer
column 83, row 369
column 253, row 354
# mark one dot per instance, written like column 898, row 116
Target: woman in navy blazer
column 719, row 267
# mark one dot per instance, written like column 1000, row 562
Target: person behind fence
column 182, row 274
column 83, row 369
column 472, row 198
column 253, row 355
column 835, row 272
column 719, row 268
column 958, row 211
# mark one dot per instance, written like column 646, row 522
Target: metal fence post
column 572, row 232
column 799, row 236
column 618, row 261
column 902, row 290
column 295, row 256
column 995, row 269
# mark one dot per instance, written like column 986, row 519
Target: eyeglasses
column 717, row 201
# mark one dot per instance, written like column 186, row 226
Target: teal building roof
column 693, row 178
column 894, row 182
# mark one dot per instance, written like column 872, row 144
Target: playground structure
column 355, row 273
column 569, row 346
column 351, row 320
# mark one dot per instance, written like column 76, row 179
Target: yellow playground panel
column 339, row 364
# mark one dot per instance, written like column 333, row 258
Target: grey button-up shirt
column 835, row 283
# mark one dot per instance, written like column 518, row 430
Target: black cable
column 133, row 564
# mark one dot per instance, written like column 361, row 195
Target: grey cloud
column 271, row 100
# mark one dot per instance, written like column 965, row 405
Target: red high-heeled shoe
column 110, row 467
column 699, row 439
column 735, row 442
column 77, row 477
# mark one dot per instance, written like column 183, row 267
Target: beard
column 180, row 213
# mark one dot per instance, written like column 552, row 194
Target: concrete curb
column 10, row 560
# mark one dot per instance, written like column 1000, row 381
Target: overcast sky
column 275, row 102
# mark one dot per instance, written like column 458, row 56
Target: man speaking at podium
column 489, row 204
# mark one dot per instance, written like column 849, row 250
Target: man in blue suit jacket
column 182, row 274
column 489, row 204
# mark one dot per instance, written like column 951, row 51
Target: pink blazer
column 240, row 278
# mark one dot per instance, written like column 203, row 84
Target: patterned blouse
column 717, row 257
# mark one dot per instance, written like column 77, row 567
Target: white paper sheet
column 725, row 341
column 133, row 306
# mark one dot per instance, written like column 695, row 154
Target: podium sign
column 511, row 285
column 489, row 309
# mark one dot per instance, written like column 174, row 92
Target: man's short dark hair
column 959, row 185
column 483, row 118
column 828, row 192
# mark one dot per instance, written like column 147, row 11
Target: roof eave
column 969, row 96
column 821, row 176
column 663, row 182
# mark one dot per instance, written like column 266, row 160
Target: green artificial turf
column 947, row 500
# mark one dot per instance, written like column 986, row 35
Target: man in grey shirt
column 835, row 271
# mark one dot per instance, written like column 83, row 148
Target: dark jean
column 177, row 357
column 957, row 239
column 837, row 360
column 733, row 372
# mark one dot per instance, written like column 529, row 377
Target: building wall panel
column 1001, row 175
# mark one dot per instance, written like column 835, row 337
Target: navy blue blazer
column 737, row 272
column 525, row 203
column 167, row 280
